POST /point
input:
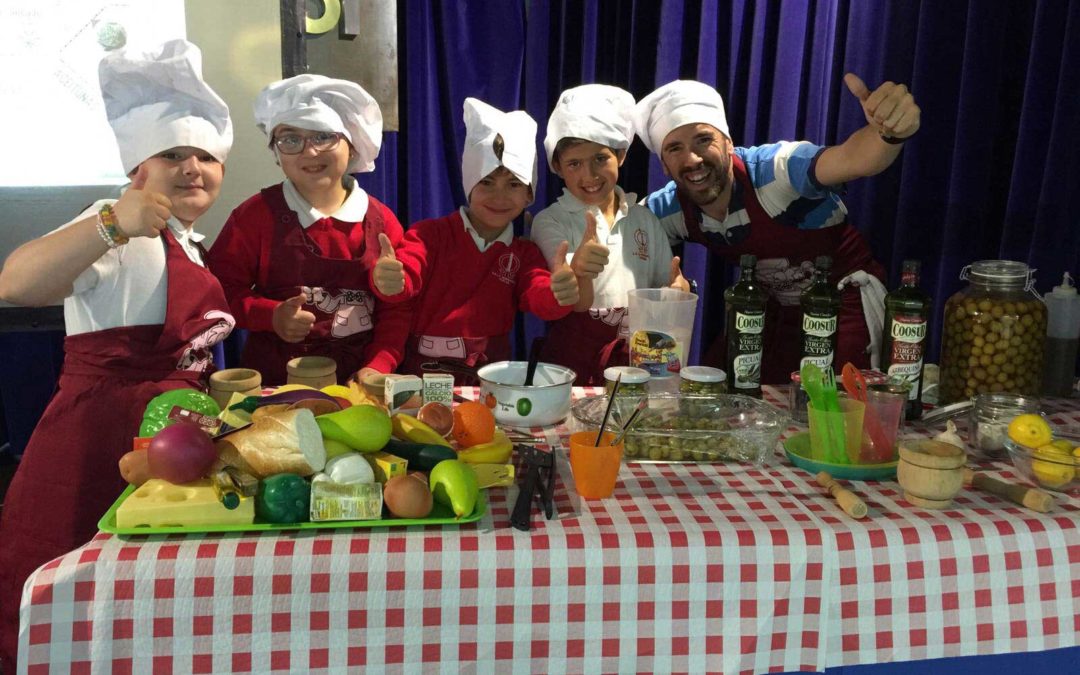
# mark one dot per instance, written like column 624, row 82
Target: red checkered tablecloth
column 687, row 568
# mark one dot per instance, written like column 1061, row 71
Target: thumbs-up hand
column 890, row 109
column 141, row 212
column 678, row 281
column 388, row 274
column 591, row 256
column 564, row 284
column 291, row 322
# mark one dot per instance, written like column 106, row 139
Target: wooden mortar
column 224, row 383
column 314, row 371
column 374, row 385
column 931, row 472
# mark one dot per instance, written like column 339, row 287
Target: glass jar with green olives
column 993, row 333
column 702, row 380
column 633, row 381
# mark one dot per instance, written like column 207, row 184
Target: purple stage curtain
column 992, row 173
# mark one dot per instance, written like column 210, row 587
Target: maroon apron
column 338, row 291
column 585, row 343
column 68, row 475
column 478, row 352
column 768, row 239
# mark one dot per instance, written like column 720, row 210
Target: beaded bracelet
column 105, row 235
column 109, row 224
column 892, row 140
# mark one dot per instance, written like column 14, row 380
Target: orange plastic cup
column 596, row 469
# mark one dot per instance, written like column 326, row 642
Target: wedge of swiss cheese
column 157, row 503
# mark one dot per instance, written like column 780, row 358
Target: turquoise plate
column 797, row 449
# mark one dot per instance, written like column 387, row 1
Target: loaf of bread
column 286, row 441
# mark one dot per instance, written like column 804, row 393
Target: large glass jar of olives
column 994, row 331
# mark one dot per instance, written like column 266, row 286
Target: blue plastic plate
column 797, row 448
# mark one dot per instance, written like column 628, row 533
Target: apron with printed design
column 338, row 294
column 68, row 476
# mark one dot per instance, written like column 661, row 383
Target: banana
column 493, row 475
column 496, row 451
column 454, row 484
column 408, row 428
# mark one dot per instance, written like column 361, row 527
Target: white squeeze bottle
column 1062, row 338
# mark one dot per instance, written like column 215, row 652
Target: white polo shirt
column 640, row 254
column 128, row 285
column 506, row 236
column 352, row 210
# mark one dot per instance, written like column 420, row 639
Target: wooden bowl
column 374, row 385
column 931, row 472
column 224, row 383
column 314, row 371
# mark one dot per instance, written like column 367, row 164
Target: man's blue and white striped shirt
column 783, row 180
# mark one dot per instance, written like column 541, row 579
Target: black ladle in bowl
column 534, row 358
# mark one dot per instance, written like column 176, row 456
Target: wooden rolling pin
column 846, row 499
column 1032, row 498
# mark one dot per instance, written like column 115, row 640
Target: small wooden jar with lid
column 374, row 385
column 314, row 371
column 225, row 383
column 931, row 472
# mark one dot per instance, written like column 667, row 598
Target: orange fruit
column 474, row 423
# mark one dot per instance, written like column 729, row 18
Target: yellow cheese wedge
column 159, row 503
column 493, row 475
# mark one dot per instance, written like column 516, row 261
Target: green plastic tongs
column 820, row 386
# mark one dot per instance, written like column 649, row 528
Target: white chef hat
column 320, row 103
column 676, row 104
column 518, row 131
column 156, row 100
column 593, row 112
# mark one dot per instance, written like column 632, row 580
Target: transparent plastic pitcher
column 661, row 325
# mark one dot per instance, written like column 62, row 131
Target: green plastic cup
column 836, row 437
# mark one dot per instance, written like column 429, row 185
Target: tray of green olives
column 690, row 428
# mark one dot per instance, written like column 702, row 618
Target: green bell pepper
column 156, row 416
column 283, row 498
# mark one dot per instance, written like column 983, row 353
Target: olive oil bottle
column 903, row 346
column 820, row 318
column 744, row 307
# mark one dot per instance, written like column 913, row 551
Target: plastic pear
column 453, row 483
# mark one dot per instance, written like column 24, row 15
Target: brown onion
column 408, row 496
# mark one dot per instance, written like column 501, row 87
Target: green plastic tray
column 797, row 448
column 440, row 515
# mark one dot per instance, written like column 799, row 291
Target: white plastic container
column 1062, row 338
column 661, row 325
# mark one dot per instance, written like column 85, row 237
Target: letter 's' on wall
column 348, row 39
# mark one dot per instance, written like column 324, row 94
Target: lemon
column 1052, row 466
column 1062, row 445
column 1030, row 430
column 341, row 391
column 291, row 387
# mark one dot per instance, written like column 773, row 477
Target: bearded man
column 779, row 202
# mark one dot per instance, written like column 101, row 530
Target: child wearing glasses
column 295, row 260
column 467, row 270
